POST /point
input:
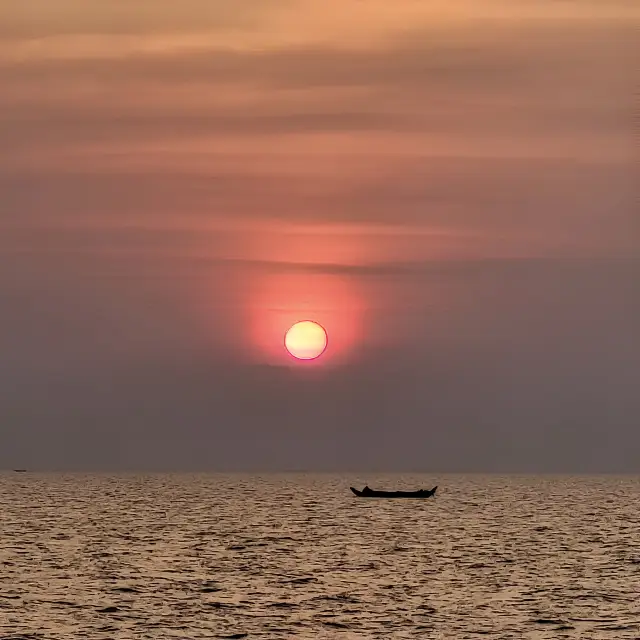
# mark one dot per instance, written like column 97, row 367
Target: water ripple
column 201, row 556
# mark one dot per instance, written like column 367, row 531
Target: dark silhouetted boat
column 370, row 493
column 20, row 470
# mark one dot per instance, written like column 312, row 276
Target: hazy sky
column 449, row 186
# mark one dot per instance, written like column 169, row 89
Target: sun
column 306, row 340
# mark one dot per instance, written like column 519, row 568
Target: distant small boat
column 20, row 470
column 370, row 493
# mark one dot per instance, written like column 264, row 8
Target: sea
column 298, row 556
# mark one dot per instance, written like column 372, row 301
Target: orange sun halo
column 306, row 340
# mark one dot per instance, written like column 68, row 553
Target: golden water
column 297, row 556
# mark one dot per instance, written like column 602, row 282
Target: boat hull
column 422, row 494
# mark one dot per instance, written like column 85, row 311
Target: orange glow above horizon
column 277, row 301
column 306, row 340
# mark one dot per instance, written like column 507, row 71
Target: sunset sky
column 449, row 186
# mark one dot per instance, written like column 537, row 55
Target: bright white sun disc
column 306, row 340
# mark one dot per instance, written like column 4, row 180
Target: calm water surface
column 297, row 556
